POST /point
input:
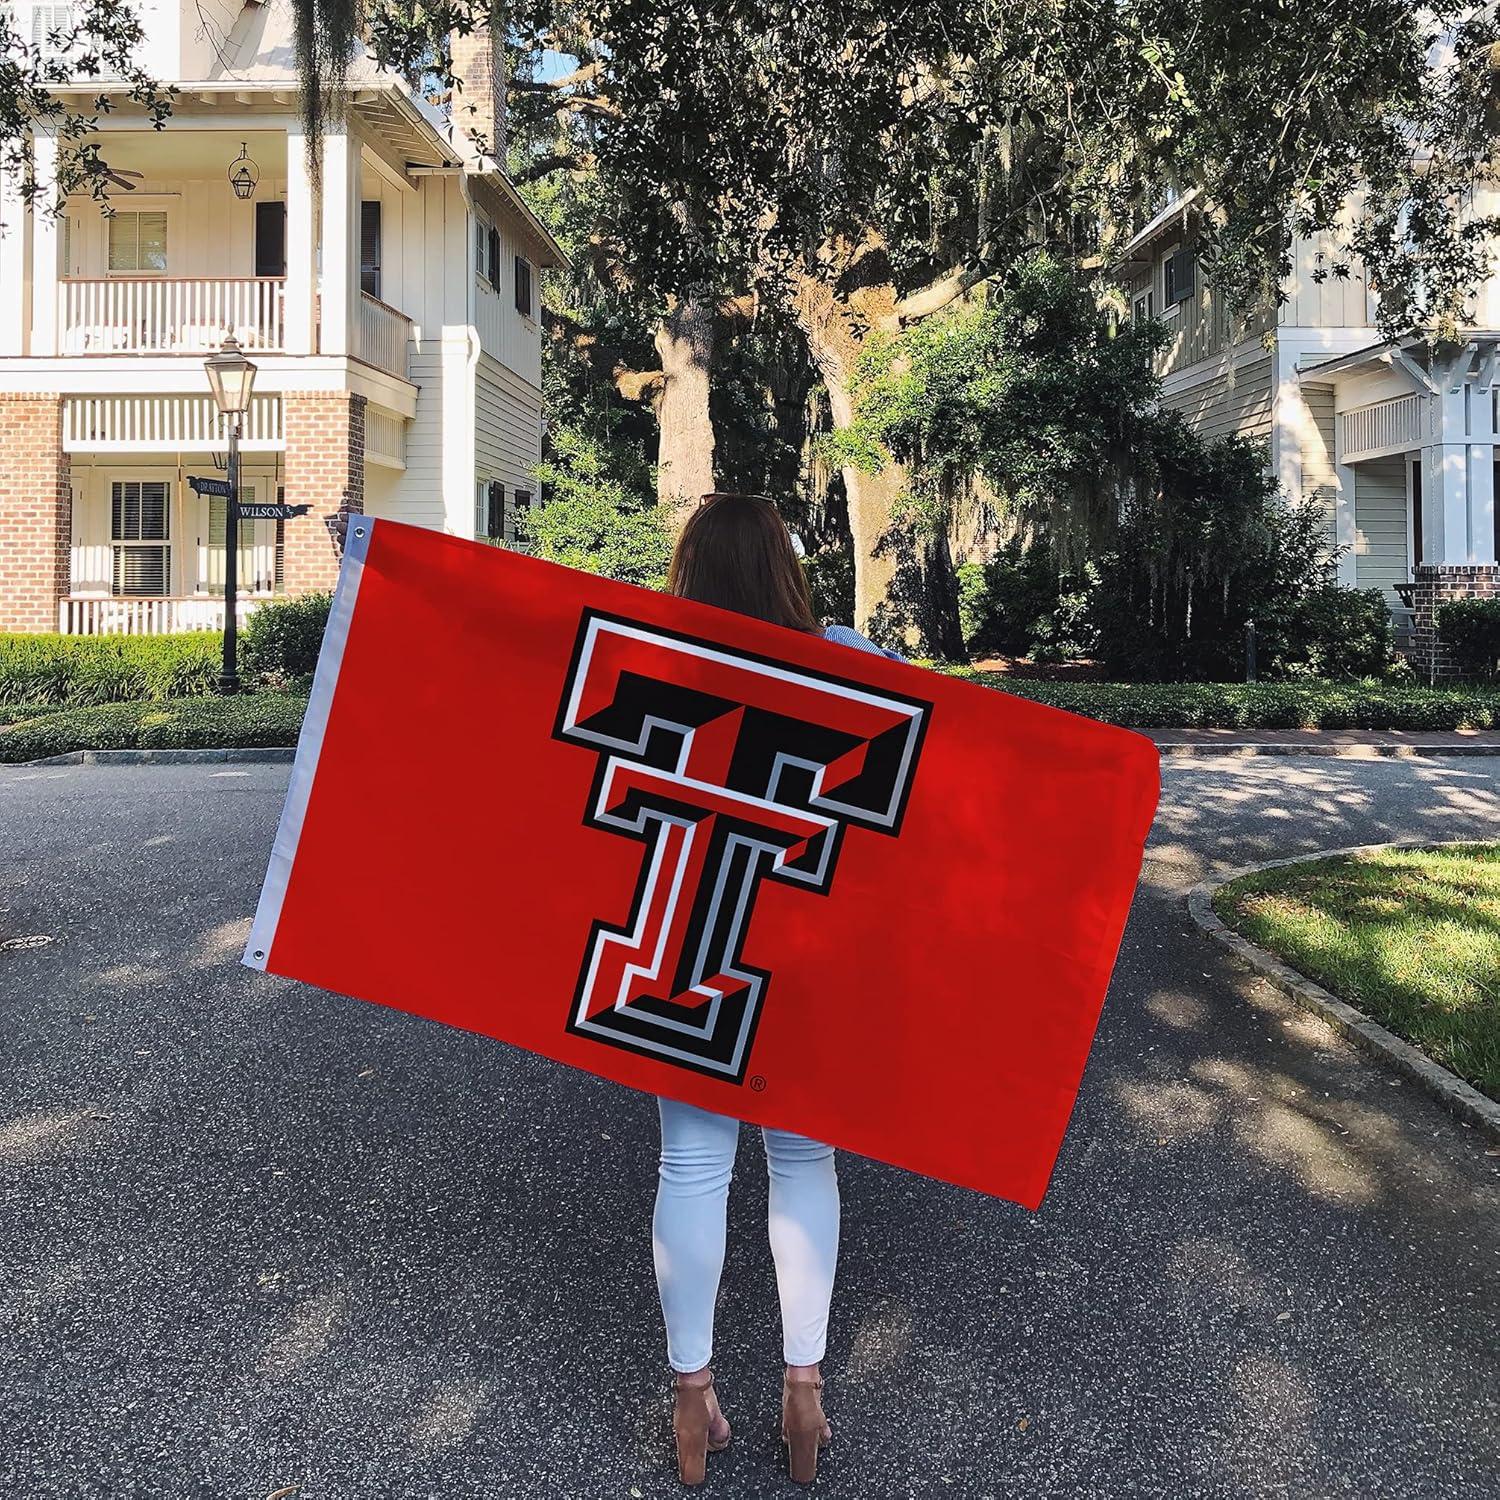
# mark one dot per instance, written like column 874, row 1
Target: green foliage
column 1470, row 628
column 1260, row 705
column 242, row 722
column 281, row 640
column 1018, row 603
column 830, row 579
column 70, row 670
column 1028, row 392
column 598, row 514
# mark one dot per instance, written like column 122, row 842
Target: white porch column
column 1345, row 530
column 339, row 263
column 1458, row 481
column 44, row 248
column 12, row 265
column 301, row 247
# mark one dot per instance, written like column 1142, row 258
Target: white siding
column 504, row 334
column 507, row 427
column 419, row 498
column 1220, row 404
column 1380, row 523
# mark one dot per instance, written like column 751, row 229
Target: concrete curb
column 1460, row 1098
column 277, row 755
column 1180, row 749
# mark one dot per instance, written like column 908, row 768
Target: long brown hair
column 736, row 552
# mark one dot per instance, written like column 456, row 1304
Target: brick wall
column 36, row 512
column 1434, row 585
column 324, row 468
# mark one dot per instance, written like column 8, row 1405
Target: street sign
column 200, row 486
column 271, row 512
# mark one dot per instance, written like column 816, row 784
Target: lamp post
column 231, row 377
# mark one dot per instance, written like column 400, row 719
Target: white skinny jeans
column 687, row 1231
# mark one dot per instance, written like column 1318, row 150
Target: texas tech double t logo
column 730, row 770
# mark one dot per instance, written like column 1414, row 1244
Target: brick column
column 36, row 512
column 1434, row 585
column 325, row 468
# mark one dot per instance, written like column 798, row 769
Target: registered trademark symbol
column 758, row 1084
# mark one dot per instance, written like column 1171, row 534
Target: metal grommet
column 359, row 531
column 260, row 952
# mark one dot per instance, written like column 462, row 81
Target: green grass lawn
column 1410, row 936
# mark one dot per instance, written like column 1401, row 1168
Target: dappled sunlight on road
column 1218, row 813
column 304, row 1334
column 882, row 1339
column 450, row 1410
column 32, row 1136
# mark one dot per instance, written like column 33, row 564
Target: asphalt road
column 257, row 1239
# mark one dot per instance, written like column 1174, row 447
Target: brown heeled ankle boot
column 692, row 1416
column 804, row 1429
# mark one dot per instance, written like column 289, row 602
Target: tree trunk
column 685, row 456
column 905, row 591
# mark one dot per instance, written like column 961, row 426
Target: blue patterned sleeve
column 846, row 635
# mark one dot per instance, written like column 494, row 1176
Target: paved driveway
column 255, row 1237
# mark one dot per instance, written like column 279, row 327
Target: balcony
column 147, row 616
column 171, row 315
column 381, row 335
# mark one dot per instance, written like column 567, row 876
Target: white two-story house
column 392, row 310
column 1396, row 440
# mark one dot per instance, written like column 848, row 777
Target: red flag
column 706, row 856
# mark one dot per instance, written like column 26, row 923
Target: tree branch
column 936, row 295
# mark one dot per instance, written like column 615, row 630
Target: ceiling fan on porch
column 119, row 175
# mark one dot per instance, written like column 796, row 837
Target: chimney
column 478, row 109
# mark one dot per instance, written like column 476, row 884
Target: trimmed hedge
column 42, row 671
column 1261, row 705
column 1471, row 629
column 280, row 643
column 243, row 722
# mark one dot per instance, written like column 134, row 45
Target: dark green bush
column 1470, row 628
column 1261, row 705
column 244, row 722
column 1019, row 603
column 280, row 644
column 63, row 670
column 1328, row 631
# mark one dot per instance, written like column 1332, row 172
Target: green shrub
column 1261, row 705
column 1329, row 631
column 1470, row 628
column 244, row 722
column 64, row 670
column 280, row 643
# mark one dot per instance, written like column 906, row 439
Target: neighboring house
column 1396, row 440
column 394, row 319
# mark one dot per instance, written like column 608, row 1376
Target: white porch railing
column 381, row 335
column 170, row 315
column 147, row 616
column 164, row 424
column 385, row 438
column 1382, row 427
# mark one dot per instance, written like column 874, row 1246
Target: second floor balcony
column 191, row 315
column 176, row 260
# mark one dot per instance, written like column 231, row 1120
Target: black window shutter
column 369, row 247
column 523, row 286
column 1180, row 276
column 494, row 244
column 495, row 519
column 523, row 500
column 270, row 239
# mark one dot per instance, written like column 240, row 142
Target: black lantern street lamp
column 231, row 377
column 243, row 173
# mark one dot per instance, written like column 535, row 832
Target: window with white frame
column 138, row 520
column 138, row 241
column 1142, row 309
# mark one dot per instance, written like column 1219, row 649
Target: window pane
column 140, row 570
column 153, row 241
column 123, row 249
